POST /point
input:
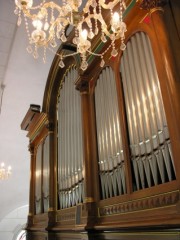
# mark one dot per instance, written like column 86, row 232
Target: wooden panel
column 36, row 236
column 124, row 235
column 137, row 235
column 31, row 116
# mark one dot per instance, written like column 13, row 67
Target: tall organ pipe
column 147, row 126
column 110, row 150
column 70, row 151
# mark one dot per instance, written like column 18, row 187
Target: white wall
column 11, row 224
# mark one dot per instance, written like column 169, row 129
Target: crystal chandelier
column 4, row 172
column 50, row 21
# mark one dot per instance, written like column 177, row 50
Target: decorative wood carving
column 82, row 84
column 152, row 202
column 31, row 149
column 149, row 4
column 66, row 215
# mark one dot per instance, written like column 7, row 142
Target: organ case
column 105, row 147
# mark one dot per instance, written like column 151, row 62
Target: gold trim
column 88, row 200
column 50, row 132
column 66, row 209
column 156, row 9
column 50, row 209
column 84, row 92
column 144, row 18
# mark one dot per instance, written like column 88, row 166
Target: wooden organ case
column 105, row 148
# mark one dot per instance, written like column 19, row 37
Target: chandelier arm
column 95, row 54
column 50, row 36
column 102, row 3
column 52, row 27
column 61, row 9
column 38, row 6
column 67, row 55
column 110, row 5
column 100, row 19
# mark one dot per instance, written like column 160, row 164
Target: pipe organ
column 105, row 146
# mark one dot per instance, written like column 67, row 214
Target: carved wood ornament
column 149, row 4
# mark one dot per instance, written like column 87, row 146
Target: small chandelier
column 4, row 172
column 50, row 21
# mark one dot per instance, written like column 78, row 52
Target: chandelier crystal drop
column 4, row 172
column 49, row 21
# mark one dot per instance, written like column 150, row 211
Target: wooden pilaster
column 91, row 181
column 32, row 188
column 52, row 178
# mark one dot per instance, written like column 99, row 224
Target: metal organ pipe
column 147, row 127
column 70, row 151
column 110, row 150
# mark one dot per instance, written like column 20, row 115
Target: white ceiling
column 24, row 79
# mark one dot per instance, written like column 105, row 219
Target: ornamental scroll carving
column 149, row 4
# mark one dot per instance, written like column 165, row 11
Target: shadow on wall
column 13, row 223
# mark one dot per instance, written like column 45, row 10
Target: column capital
column 50, row 127
column 82, row 83
column 31, row 148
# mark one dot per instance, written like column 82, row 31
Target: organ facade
column 105, row 146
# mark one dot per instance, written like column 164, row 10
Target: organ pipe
column 149, row 139
column 70, row 151
column 110, row 149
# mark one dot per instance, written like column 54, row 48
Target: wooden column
column 91, row 180
column 32, row 187
column 52, row 178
